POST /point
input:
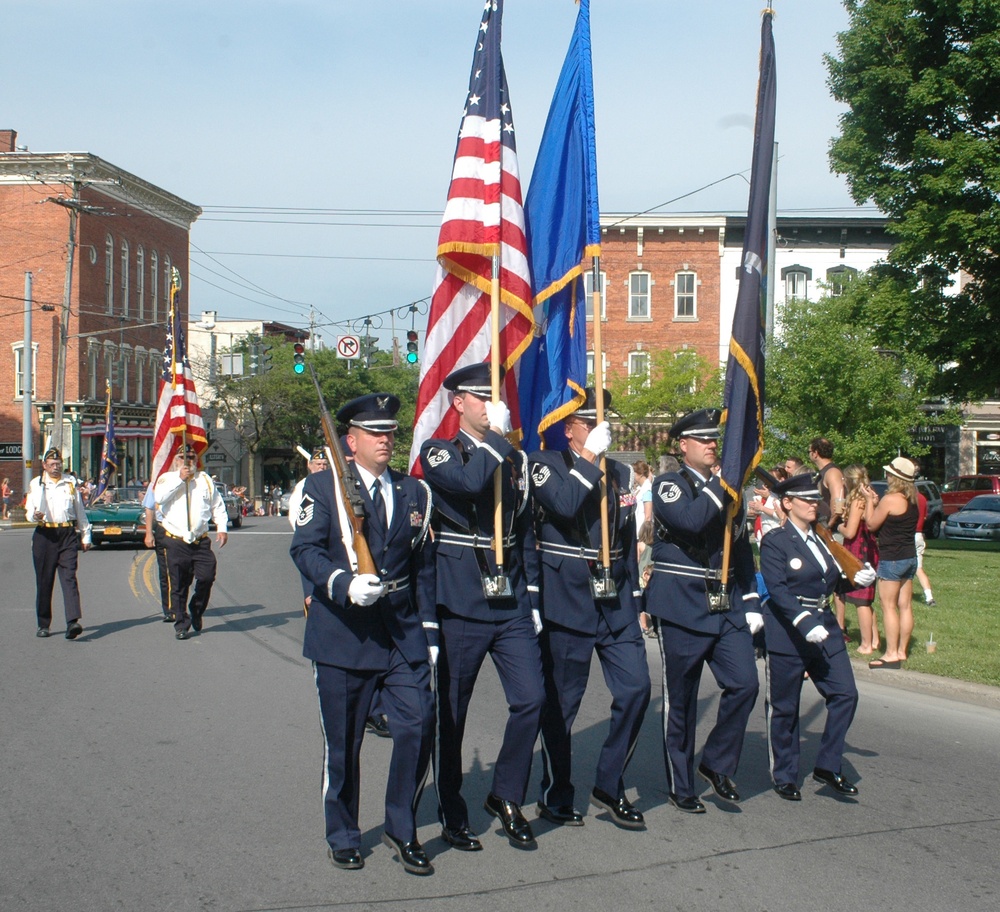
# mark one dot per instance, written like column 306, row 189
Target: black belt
column 181, row 538
column 815, row 604
column 396, row 585
column 485, row 542
column 590, row 554
column 65, row 525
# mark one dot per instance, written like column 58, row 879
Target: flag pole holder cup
column 497, row 586
column 603, row 585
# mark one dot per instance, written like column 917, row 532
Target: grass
column 965, row 621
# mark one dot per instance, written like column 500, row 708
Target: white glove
column 499, row 416
column 365, row 589
column 756, row 622
column 865, row 576
column 817, row 635
column 536, row 619
column 432, row 654
column 599, row 439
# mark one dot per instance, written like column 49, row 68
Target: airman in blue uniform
column 579, row 618
column 699, row 621
column 483, row 612
column 371, row 631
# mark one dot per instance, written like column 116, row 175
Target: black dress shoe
column 42, row 632
column 514, row 824
column 378, row 725
column 788, row 791
column 182, row 635
column 196, row 621
column 689, row 805
column 723, row 785
column 564, row 815
column 835, row 781
column 622, row 811
column 461, row 838
column 74, row 630
column 168, row 618
column 411, row 855
column 348, row 859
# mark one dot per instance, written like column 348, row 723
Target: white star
column 474, row 100
column 478, row 74
column 483, row 26
column 508, row 128
column 504, row 108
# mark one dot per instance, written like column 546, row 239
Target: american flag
column 178, row 414
column 484, row 217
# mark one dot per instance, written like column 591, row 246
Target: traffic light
column 411, row 347
column 254, row 358
column 265, row 358
column 299, row 358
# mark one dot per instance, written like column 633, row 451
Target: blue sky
column 328, row 105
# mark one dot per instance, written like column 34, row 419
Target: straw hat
column 903, row 468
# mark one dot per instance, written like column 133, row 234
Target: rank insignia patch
column 305, row 511
column 438, row 457
column 668, row 492
column 541, row 475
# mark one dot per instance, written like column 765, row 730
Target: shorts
column 897, row 571
column 921, row 544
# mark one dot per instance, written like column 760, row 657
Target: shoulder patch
column 437, row 456
column 668, row 492
column 306, row 508
column 541, row 475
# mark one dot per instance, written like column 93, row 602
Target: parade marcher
column 317, row 463
column 188, row 499
column 157, row 540
column 366, row 632
column 566, row 490
column 503, row 623
column 700, row 622
column 55, row 503
column 803, row 637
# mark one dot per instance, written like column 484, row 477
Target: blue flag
column 109, row 452
column 562, row 219
column 743, row 401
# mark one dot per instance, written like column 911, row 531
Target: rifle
column 847, row 561
column 344, row 491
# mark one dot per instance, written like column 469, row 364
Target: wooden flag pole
column 495, row 396
column 175, row 287
column 599, row 399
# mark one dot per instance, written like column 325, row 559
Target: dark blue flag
column 562, row 219
column 743, row 401
column 109, row 452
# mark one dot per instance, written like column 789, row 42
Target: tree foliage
column 921, row 140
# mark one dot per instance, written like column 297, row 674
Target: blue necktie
column 378, row 501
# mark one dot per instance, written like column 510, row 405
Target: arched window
column 796, row 279
column 154, row 276
column 140, row 282
column 166, row 279
column 839, row 277
column 109, row 274
column 125, row 278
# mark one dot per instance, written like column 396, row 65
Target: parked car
column 234, row 508
column 935, row 508
column 979, row 519
column 119, row 516
column 283, row 503
column 959, row 490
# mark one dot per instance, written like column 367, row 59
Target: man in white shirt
column 188, row 499
column 54, row 502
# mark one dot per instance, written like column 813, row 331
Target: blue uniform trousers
column 513, row 646
column 730, row 656
column 55, row 550
column 834, row 679
column 345, row 699
column 566, row 658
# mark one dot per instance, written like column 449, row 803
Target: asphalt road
column 143, row 773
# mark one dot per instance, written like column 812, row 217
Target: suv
column 958, row 491
column 935, row 507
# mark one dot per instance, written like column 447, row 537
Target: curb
column 922, row 682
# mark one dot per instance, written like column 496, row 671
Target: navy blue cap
column 52, row 453
column 702, row 423
column 473, row 378
column 375, row 412
column 803, row 486
column 588, row 408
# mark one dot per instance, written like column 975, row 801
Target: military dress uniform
column 55, row 543
column 356, row 650
column 801, row 574
column 461, row 473
column 690, row 514
column 566, row 492
column 187, row 508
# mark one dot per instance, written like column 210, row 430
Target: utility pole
column 73, row 207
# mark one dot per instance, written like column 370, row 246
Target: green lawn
column 965, row 622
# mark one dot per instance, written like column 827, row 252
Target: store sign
column 215, row 457
column 10, row 450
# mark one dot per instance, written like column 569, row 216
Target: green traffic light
column 299, row 368
column 411, row 357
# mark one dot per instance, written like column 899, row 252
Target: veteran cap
column 474, row 378
column 375, row 412
column 52, row 453
column 588, row 409
column 702, row 423
column 803, row 486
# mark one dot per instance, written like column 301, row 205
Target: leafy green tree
column 921, row 79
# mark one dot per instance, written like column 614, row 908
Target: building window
column 638, row 295
column 638, row 369
column 588, row 290
column 110, row 356
column 167, row 281
column 125, row 370
column 19, row 368
column 93, row 348
column 125, row 278
column 154, row 275
column 155, row 369
column 140, row 374
column 590, row 368
column 839, row 277
column 685, row 296
column 796, row 279
column 140, row 282
column 109, row 274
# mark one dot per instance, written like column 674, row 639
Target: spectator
column 831, row 486
column 859, row 540
column 7, row 492
column 921, row 546
column 792, row 466
column 643, row 494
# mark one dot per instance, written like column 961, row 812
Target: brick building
column 129, row 235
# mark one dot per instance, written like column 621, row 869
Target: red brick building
column 129, row 235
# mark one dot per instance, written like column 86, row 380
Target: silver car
column 978, row 520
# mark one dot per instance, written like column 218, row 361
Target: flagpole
column 495, row 396
column 599, row 399
column 175, row 287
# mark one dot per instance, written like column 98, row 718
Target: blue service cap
column 473, row 378
column 588, row 409
column 375, row 412
column 803, row 486
column 702, row 423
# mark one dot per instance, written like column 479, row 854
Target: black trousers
column 160, row 548
column 55, row 551
column 187, row 563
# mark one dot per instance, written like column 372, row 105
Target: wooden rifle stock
column 342, row 488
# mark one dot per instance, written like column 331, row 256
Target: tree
column 921, row 79
column 830, row 374
column 679, row 382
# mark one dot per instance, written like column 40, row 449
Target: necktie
column 378, row 501
column 816, row 549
